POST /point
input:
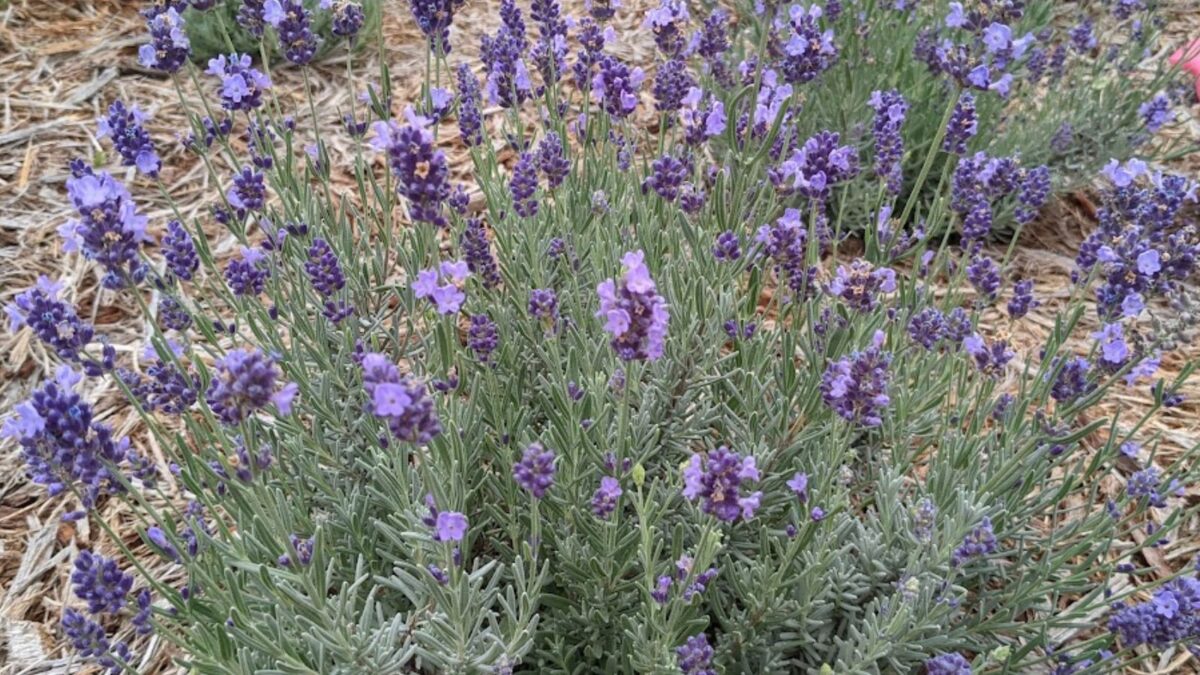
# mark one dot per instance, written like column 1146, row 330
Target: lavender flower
column 948, row 664
column 292, row 23
column 798, row 484
column 552, row 161
column 124, row 126
column 819, row 165
column 449, row 526
column 242, row 86
column 716, row 478
column 990, row 359
column 400, row 401
column 250, row 16
column 61, row 446
column 543, row 304
column 441, row 286
column 52, row 320
column 478, row 253
column 667, row 175
column 890, row 110
column 634, row 313
column 1022, row 300
column 927, row 327
column 483, row 338
column 109, row 230
column 422, row 173
column 855, row 386
column 984, row 275
column 695, row 656
column 434, row 18
column 100, row 583
column 1035, row 189
column 348, row 17
column 979, row 542
column 508, row 83
column 807, row 50
column 962, row 125
column 702, row 117
column 524, row 185
column 615, row 87
column 89, row 639
column 1082, row 38
column 179, row 251
column 1170, row 616
column 1155, row 112
column 470, row 118
column 604, row 502
column 727, row 247
column 323, row 268
column 666, row 21
column 859, row 284
column 785, row 243
column 671, row 85
column 301, row 551
column 246, row 380
column 169, row 47
column 247, row 275
column 535, row 471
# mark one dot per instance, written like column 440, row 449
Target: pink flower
column 1188, row 59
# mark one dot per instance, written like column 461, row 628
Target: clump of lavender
column 672, row 83
column 634, row 314
column 508, row 81
column 535, row 471
column 180, row 251
column 401, row 402
column 716, row 478
column 856, row 386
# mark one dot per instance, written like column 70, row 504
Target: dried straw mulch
column 63, row 61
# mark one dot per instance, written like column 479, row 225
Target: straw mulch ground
column 61, row 63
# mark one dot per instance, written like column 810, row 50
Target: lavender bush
column 634, row 408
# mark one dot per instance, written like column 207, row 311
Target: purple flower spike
column 124, row 126
column 402, row 402
column 633, row 312
column 242, row 87
column 245, row 381
column 421, row 171
column 716, row 478
column 169, row 47
column 856, row 386
column 604, row 502
column 535, row 472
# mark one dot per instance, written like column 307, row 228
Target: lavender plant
column 637, row 409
